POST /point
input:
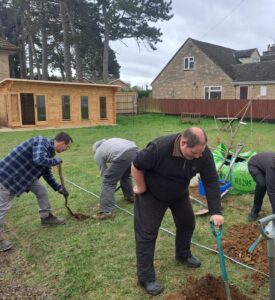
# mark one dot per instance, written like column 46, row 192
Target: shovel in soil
column 77, row 216
column 218, row 237
column 269, row 235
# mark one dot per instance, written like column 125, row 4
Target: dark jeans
column 260, row 190
column 148, row 214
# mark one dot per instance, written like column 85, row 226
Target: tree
column 66, row 40
column 131, row 19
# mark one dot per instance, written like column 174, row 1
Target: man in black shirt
column 162, row 172
column 262, row 168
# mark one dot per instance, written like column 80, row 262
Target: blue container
column 223, row 187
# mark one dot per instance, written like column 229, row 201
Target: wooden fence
column 259, row 109
column 126, row 102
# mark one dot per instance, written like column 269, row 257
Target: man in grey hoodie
column 114, row 157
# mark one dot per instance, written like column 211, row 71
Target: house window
column 66, row 108
column 41, row 108
column 263, row 91
column 84, row 108
column 212, row 92
column 103, row 107
column 189, row 63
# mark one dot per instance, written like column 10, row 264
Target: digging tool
column 268, row 229
column 255, row 244
column 78, row 216
column 205, row 209
column 218, row 237
column 233, row 160
column 269, row 235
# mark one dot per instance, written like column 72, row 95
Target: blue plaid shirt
column 27, row 162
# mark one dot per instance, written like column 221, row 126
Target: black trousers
column 261, row 187
column 148, row 214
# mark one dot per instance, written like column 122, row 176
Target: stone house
column 200, row 70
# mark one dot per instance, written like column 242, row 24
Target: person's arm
column 100, row 161
column 210, row 181
column 140, row 185
column 40, row 153
column 49, row 178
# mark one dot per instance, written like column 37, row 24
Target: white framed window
column 212, row 92
column 188, row 63
column 263, row 91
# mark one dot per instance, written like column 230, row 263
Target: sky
column 236, row 24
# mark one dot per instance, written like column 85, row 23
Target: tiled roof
column 221, row 56
column 244, row 53
column 227, row 60
column 5, row 45
column 260, row 71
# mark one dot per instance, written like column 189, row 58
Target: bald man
column 162, row 172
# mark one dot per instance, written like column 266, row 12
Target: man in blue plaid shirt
column 20, row 171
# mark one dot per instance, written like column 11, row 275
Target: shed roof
column 57, row 82
column 5, row 45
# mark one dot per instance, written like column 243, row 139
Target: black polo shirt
column 167, row 173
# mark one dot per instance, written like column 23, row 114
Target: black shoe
column 5, row 245
column 252, row 216
column 130, row 199
column 51, row 220
column 152, row 288
column 191, row 261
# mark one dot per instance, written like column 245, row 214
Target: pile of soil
column 206, row 288
column 236, row 243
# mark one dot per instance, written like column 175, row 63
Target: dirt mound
column 237, row 242
column 206, row 288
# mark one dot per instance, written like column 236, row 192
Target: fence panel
column 259, row 110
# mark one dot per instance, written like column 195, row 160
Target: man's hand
column 217, row 219
column 59, row 160
column 63, row 192
column 138, row 190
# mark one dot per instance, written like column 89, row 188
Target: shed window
column 189, row 63
column 84, row 107
column 66, row 108
column 212, row 92
column 41, row 108
column 103, row 107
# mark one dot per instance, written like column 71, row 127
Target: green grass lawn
column 96, row 260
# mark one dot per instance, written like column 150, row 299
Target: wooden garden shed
column 33, row 103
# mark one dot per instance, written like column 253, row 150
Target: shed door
column 243, row 92
column 14, row 111
column 27, row 109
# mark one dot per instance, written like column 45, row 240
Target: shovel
column 77, row 216
column 218, row 236
column 267, row 228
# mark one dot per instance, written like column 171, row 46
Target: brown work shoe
column 103, row 215
column 5, row 245
column 51, row 220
